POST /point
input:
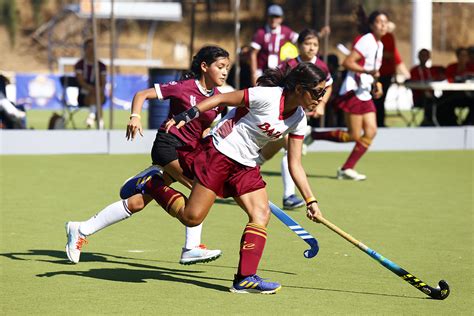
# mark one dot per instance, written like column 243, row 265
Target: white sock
column 112, row 214
column 288, row 184
column 193, row 237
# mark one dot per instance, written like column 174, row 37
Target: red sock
column 339, row 136
column 168, row 198
column 359, row 150
column 251, row 249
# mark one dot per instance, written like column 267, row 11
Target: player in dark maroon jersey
column 208, row 71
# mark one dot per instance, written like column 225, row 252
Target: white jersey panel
column 371, row 51
column 244, row 131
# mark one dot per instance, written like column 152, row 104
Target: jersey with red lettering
column 245, row 130
column 183, row 95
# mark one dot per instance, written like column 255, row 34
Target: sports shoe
column 350, row 174
column 254, row 284
column 75, row 240
column 90, row 120
column 199, row 254
column 292, row 202
column 135, row 184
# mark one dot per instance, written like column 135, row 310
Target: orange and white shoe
column 199, row 254
column 75, row 240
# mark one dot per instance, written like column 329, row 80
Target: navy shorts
column 165, row 148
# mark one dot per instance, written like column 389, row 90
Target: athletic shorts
column 219, row 173
column 165, row 148
column 351, row 104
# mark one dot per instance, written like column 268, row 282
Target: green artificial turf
column 416, row 209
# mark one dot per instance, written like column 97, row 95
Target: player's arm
column 82, row 82
column 351, row 63
column 235, row 98
column 299, row 177
column 135, row 125
column 253, row 66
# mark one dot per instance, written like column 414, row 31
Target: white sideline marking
column 137, row 251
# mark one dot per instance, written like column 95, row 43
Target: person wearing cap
column 267, row 42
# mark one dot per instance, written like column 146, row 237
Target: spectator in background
column 457, row 72
column 268, row 40
column 471, row 56
column 391, row 65
column 422, row 73
column 462, row 69
column 245, row 76
column 333, row 115
column 85, row 75
column 11, row 116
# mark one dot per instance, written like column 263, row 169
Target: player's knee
column 260, row 215
column 370, row 132
column 135, row 204
column 189, row 220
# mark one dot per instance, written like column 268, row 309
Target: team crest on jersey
column 269, row 130
column 192, row 100
column 172, row 83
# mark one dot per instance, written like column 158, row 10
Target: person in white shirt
column 225, row 163
column 355, row 96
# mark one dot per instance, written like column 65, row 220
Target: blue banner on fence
column 39, row 91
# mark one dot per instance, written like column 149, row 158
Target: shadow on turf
column 278, row 174
column 140, row 276
column 146, row 271
column 353, row 292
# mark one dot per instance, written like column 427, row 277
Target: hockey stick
column 439, row 293
column 297, row 229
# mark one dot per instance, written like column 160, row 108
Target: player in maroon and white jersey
column 225, row 163
column 357, row 91
column 209, row 67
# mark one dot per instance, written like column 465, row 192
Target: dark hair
column 87, row 41
column 304, row 74
column 207, row 54
column 305, row 33
column 364, row 22
column 459, row 50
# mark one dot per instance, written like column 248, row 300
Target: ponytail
column 273, row 78
column 305, row 74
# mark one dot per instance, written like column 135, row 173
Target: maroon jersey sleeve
column 258, row 39
column 79, row 66
column 169, row 90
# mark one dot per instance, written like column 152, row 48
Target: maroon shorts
column 351, row 104
column 219, row 173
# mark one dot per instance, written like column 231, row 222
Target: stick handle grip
column 341, row 233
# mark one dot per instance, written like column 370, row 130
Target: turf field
column 416, row 209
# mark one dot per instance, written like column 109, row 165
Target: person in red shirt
column 422, row 73
column 457, row 72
